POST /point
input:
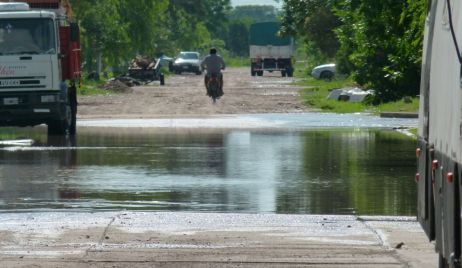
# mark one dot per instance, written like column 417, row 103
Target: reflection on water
column 313, row 171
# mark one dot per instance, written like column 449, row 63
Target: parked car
column 187, row 62
column 326, row 71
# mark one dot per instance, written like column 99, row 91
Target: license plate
column 9, row 83
column 10, row 101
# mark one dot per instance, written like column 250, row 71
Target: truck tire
column 162, row 79
column 73, row 126
column 62, row 127
column 253, row 73
column 260, row 73
column 442, row 263
column 290, row 72
column 283, row 73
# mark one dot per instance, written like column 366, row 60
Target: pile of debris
column 349, row 94
column 141, row 71
column 142, row 62
column 117, row 86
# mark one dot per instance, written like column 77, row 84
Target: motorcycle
column 214, row 87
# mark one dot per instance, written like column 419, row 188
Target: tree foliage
column 313, row 21
column 120, row 29
column 254, row 13
column 378, row 42
column 240, row 19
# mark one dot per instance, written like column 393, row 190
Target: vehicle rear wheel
column 290, row 72
column 214, row 90
column 253, row 73
column 162, row 79
column 283, row 73
column 442, row 263
column 327, row 75
column 260, row 73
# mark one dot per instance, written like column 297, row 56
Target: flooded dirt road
column 184, row 95
column 273, row 163
column 163, row 178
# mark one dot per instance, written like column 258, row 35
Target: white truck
column 270, row 52
column 39, row 65
column 439, row 151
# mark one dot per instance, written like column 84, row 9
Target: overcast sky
column 255, row 2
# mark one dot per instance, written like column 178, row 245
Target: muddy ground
column 184, row 95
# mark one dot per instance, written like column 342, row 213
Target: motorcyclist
column 213, row 63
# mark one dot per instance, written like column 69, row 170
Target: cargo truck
column 270, row 52
column 439, row 152
column 39, row 65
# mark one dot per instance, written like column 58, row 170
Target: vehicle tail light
column 417, row 177
column 435, row 164
column 450, row 177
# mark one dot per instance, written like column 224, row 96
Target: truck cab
column 39, row 67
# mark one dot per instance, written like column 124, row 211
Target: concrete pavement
column 177, row 239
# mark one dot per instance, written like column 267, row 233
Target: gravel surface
column 184, row 95
column 175, row 239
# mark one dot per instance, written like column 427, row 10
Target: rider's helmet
column 213, row 50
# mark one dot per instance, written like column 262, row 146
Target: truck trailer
column 268, row 51
column 439, row 150
column 39, row 65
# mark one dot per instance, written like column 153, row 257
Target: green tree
column 104, row 33
column 314, row 22
column 378, row 42
column 144, row 24
column 238, row 37
column 381, row 45
column 254, row 13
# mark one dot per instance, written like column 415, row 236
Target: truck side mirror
column 75, row 32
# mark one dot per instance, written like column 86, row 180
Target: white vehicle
column 439, row 151
column 39, row 65
column 187, row 62
column 326, row 71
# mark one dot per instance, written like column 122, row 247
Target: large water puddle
column 351, row 170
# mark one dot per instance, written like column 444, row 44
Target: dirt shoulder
column 184, row 95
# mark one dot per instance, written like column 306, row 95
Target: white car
column 326, row 71
column 187, row 62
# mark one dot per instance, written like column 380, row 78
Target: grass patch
column 237, row 61
column 91, row 87
column 316, row 92
column 409, row 105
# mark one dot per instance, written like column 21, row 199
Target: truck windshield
column 27, row 36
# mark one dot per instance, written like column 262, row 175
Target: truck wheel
column 253, row 73
column 260, row 73
column 62, row 127
column 73, row 126
column 442, row 263
column 283, row 73
column 162, row 79
column 290, row 72
column 73, row 104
